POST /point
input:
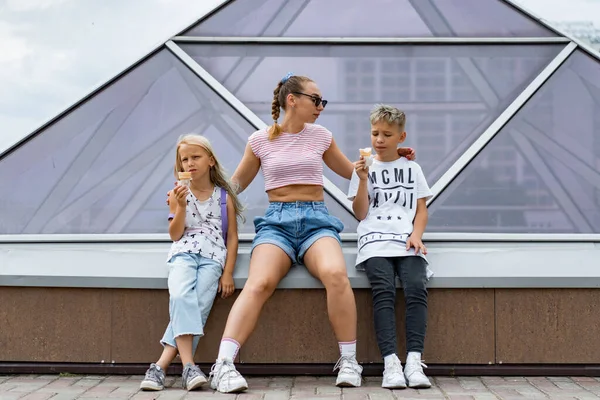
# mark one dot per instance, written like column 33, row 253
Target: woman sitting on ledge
column 296, row 227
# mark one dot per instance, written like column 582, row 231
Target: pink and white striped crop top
column 292, row 158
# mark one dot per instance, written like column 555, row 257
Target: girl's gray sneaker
column 154, row 379
column 192, row 377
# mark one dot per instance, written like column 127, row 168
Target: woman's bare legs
column 268, row 265
column 325, row 261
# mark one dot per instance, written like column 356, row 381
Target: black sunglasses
column 317, row 100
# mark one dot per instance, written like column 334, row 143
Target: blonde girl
column 203, row 214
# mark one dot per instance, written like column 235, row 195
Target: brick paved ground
column 43, row 387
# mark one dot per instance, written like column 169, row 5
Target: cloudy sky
column 53, row 52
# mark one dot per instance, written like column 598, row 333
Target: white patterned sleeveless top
column 203, row 232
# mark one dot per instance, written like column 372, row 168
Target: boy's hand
column 417, row 244
column 407, row 152
column 181, row 193
column 361, row 168
column 226, row 285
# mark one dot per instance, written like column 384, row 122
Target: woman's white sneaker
column 225, row 378
column 350, row 372
column 393, row 376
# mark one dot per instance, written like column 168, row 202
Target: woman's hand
column 407, row 152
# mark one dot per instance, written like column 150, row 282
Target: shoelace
column 153, row 374
column 410, row 369
column 396, row 367
column 230, row 371
column 193, row 372
column 346, row 364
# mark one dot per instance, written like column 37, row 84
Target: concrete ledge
column 456, row 265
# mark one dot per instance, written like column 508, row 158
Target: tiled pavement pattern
column 43, row 387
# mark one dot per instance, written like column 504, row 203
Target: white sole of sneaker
column 150, row 386
column 235, row 389
column 347, row 383
column 394, row 387
column 420, row 386
column 197, row 383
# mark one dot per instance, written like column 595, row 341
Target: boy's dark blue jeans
column 412, row 271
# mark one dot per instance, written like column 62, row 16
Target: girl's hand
column 181, row 193
column 226, row 285
column 169, row 195
column 361, row 168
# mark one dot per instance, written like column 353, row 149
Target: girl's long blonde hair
column 218, row 177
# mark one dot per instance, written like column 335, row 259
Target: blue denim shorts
column 295, row 226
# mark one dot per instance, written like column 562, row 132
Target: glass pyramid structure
column 503, row 111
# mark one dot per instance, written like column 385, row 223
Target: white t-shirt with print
column 394, row 188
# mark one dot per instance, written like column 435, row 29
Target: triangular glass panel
column 373, row 18
column 451, row 94
column 541, row 173
column 106, row 166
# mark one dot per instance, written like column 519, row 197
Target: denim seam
column 313, row 239
column 285, row 249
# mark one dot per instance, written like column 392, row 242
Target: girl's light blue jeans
column 193, row 283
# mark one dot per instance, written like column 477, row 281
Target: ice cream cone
column 185, row 178
column 366, row 152
column 367, row 155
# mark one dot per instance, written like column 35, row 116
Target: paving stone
column 382, row 395
column 277, row 396
column 38, row 396
column 355, row 396
column 250, row 396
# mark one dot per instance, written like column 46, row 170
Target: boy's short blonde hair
column 389, row 114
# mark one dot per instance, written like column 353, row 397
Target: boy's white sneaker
column 413, row 370
column 393, row 376
column 350, row 372
column 225, row 378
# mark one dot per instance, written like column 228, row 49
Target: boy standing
column 389, row 198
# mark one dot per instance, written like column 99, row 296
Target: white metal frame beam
column 340, row 108
column 366, row 40
column 346, row 237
